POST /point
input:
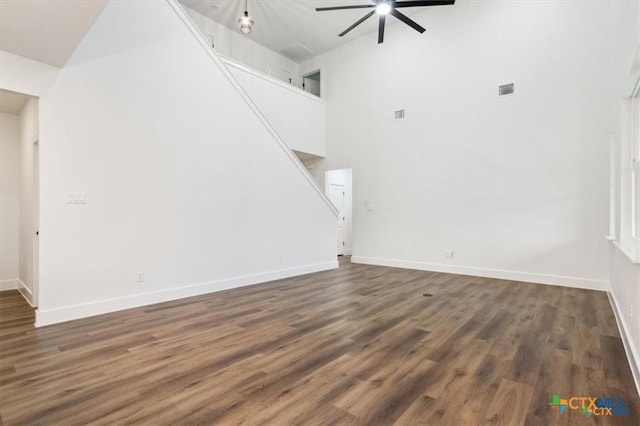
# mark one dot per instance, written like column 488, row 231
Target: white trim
column 528, row 277
column 626, row 252
column 68, row 313
column 200, row 38
column 348, row 252
column 26, row 293
column 270, row 79
column 9, row 284
column 632, row 355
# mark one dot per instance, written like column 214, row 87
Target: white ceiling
column 280, row 24
column 46, row 30
column 11, row 102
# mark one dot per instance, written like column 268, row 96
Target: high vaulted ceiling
column 50, row 30
column 46, row 30
column 280, row 24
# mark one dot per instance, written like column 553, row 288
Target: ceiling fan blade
column 407, row 21
column 359, row 6
column 360, row 21
column 381, row 29
column 417, row 3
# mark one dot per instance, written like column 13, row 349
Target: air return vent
column 297, row 52
column 399, row 114
column 506, row 89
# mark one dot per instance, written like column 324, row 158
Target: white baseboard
column 26, row 293
column 528, row 277
column 68, row 313
column 9, row 284
column 625, row 333
column 347, row 252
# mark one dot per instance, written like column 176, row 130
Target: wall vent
column 506, row 89
column 399, row 114
column 297, row 52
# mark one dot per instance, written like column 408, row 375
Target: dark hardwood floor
column 358, row 345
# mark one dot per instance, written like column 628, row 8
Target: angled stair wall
column 185, row 179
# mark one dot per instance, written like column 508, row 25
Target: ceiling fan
column 387, row 7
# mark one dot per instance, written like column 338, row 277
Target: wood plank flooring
column 360, row 345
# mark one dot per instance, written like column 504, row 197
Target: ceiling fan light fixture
column 383, row 8
column 246, row 23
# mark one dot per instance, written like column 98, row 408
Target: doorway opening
column 339, row 189
column 19, row 179
column 311, row 82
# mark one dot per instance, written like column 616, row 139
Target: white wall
column 298, row 117
column 516, row 186
column 624, row 251
column 28, row 135
column 343, row 177
column 23, row 75
column 183, row 179
column 9, row 199
column 241, row 48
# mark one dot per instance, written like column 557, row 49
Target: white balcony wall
column 299, row 117
column 233, row 44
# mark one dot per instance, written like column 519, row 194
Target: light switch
column 76, row 198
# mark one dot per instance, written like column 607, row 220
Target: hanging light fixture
column 246, row 23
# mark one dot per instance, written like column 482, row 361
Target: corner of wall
column 26, row 293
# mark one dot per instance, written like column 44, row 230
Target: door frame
column 36, row 224
column 342, row 247
column 347, row 181
column 307, row 74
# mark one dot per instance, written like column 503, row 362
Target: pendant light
column 246, row 23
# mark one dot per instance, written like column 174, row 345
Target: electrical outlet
column 449, row 254
column 140, row 277
column 630, row 312
column 280, row 259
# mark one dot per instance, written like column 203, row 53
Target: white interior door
column 337, row 195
